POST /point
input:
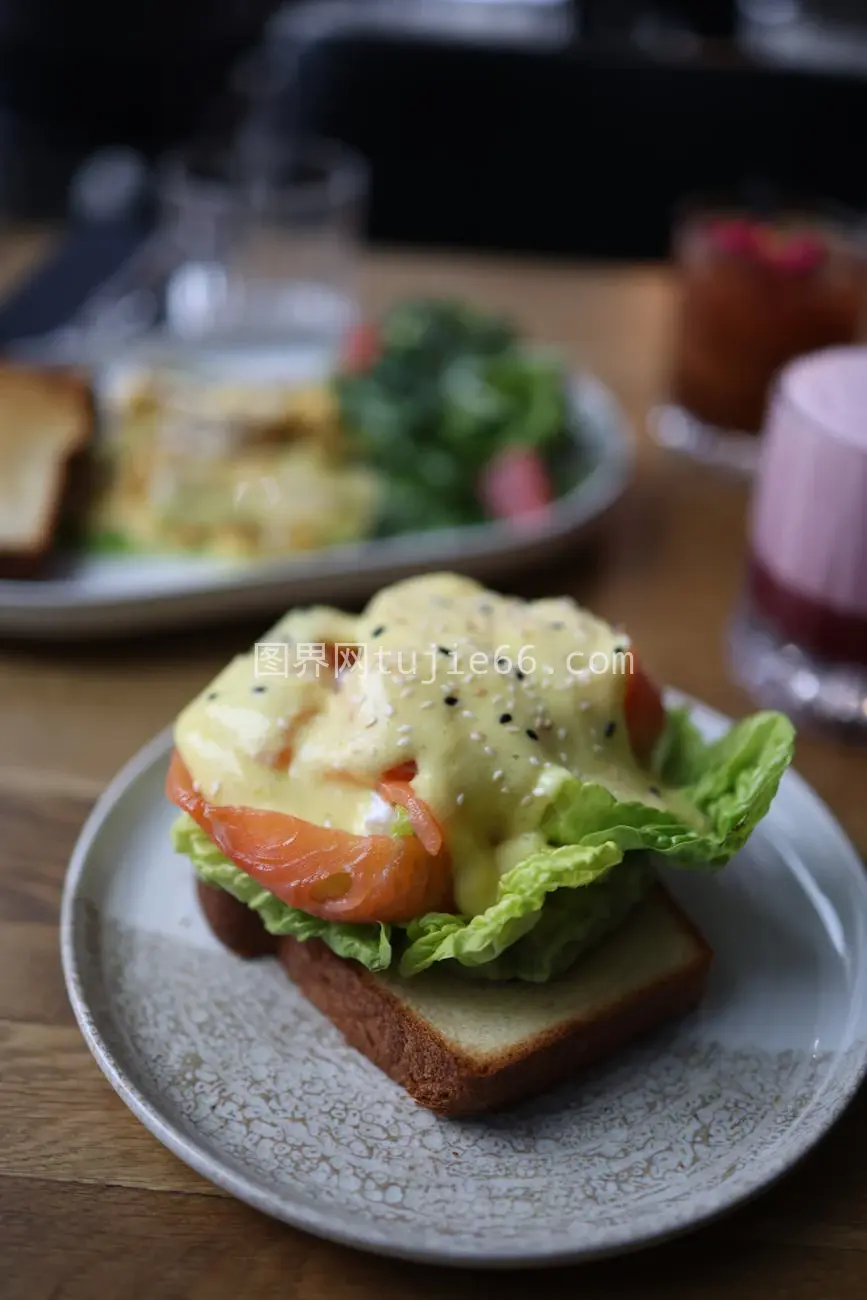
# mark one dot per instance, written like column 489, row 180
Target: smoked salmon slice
column 329, row 873
column 395, row 788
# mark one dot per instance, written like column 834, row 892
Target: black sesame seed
column 502, row 663
column 258, row 690
column 520, row 676
column 212, row 695
column 451, row 701
column 444, row 650
column 505, row 717
column 532, row 734
column 610, row 730
column 654, row 789
column 378, row 631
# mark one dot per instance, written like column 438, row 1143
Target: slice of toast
column 46, row 421
column 461, row 1046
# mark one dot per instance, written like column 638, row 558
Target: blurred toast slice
column 462, row 1046
column 46, row 422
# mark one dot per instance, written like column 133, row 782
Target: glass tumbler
column 755, row 291
column 799, row 639
column 264, row 234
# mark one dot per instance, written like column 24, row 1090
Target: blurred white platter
column 97, row 595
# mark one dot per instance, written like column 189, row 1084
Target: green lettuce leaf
column 718, row 792
column 368, row 944
column 569, row 922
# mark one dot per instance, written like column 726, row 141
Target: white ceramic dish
column 104, row 595
column 241, row 1078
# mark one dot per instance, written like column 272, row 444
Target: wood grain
column 90, row 1204
column 77, row 1242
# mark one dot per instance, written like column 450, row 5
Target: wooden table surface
column 90, row 1204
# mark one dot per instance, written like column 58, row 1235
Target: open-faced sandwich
column 442, row 815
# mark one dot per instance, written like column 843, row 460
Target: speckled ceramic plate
column 229, row 1067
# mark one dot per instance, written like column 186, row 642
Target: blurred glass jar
column 264, row 234
column 754, row 293
column 799, row 640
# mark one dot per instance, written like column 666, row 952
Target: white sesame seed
column 326, row 822
column 196, row 787
column 403, row 741
column 489, row 751
column 498, row 775
column 459, row 798
column 561, row 733
column 564, row 757
column 404, row 728
column 406, row 692
column 467, row 713
column 526, row 800
column 426, row 704
column 534, row 761
column 547, row 670
column 215, row 788
column 475, row 735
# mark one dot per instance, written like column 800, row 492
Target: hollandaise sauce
column 483, row 705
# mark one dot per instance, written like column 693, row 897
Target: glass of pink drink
column 799, row 642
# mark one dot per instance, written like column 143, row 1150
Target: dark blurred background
column 532, row 125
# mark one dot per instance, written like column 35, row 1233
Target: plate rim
column 52, row 608
column 320, row 1222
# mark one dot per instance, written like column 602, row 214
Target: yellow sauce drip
column 493, row 698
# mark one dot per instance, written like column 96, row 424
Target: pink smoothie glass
column 800, row 640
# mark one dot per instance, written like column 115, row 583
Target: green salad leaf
column 452, row 387
column 574, row 921
column 109, row 542
column 552, row 907
column 719, row 791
